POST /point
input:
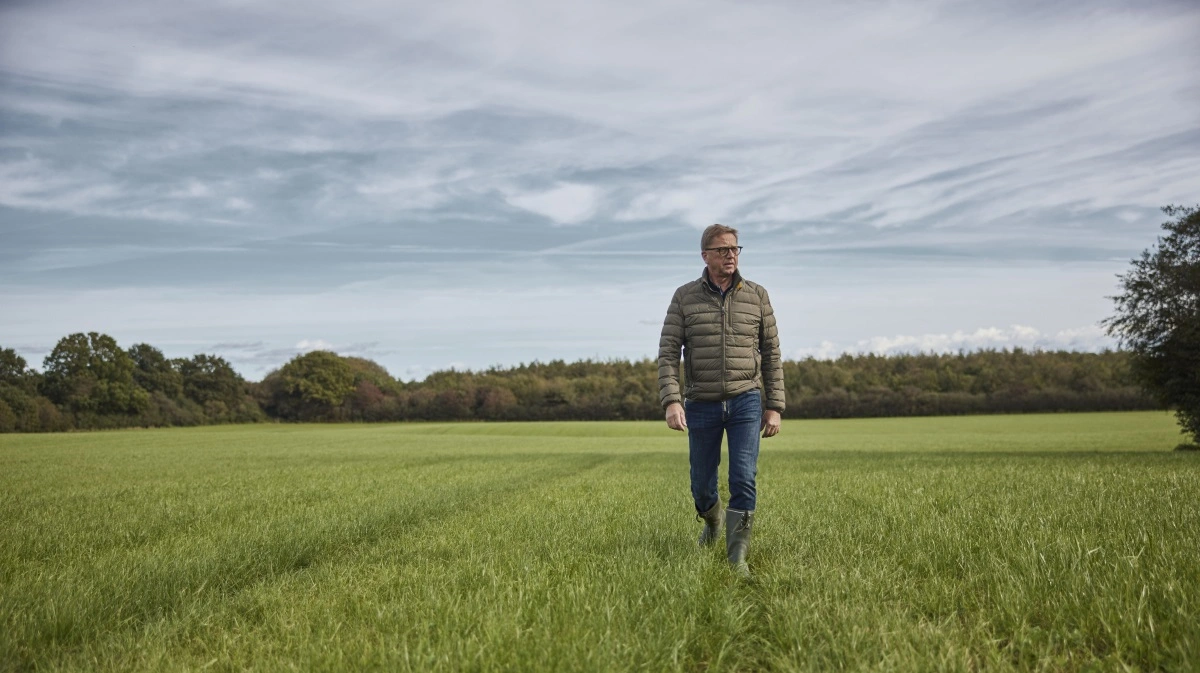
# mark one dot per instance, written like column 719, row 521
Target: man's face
column 719, row 264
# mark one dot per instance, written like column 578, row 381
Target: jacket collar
column 733, row 285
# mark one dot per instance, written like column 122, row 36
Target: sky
column 476, row 184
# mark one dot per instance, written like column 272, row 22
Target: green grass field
column 1047, row 542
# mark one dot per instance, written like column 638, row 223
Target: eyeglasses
column 731, row 251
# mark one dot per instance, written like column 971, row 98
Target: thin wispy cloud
column 270, row 169
column 1014, row 336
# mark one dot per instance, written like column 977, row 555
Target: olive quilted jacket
column 730, row 344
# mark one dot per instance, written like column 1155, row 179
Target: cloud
column 255, row 358
column 565, row 204
column 192, row 190
column 33, row 354
column 892, row 130
column 699, row 203
column 239, row 346
column 1089, row 338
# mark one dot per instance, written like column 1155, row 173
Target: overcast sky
column 488, row 183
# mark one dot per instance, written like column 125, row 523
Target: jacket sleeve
column 669, row 345
column 772, row 363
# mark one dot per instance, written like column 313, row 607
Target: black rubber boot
column 713, row 519
column 738, row 525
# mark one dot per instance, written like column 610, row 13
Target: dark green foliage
column 851, row 386
column 1158, row 317
column 584, row 390
column 90, row 383
column 366, row 371
column 317, row 386
column 22, row 409
column 8, row 419
column 154, row 372
column 89, row 376
column 209, row 381
column 965, row 383
column 13, row 369
column 163, row 379
column 19, row 406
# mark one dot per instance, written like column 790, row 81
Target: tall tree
column 14, row 389
column 1158, row 316
column 15, row 372
column 90, row 374
column 211, row 382
column 154, row 372
column 315, row 385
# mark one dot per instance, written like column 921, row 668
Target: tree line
column 89, row 382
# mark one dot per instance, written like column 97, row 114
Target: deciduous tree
column 13, row 369
column 90, row 374
column 312, row 386
column 210, row 381
column 154, row 372
column 1158, row 316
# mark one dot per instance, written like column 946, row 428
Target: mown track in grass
column 1062, row 542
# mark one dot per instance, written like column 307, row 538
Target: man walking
column 725, row 328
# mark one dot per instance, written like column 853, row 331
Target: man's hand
column 676, row 420
column 770, row 423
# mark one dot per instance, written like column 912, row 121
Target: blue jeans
column 741, row 419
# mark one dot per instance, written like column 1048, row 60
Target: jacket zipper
column 722, row 300
column 724, row 317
